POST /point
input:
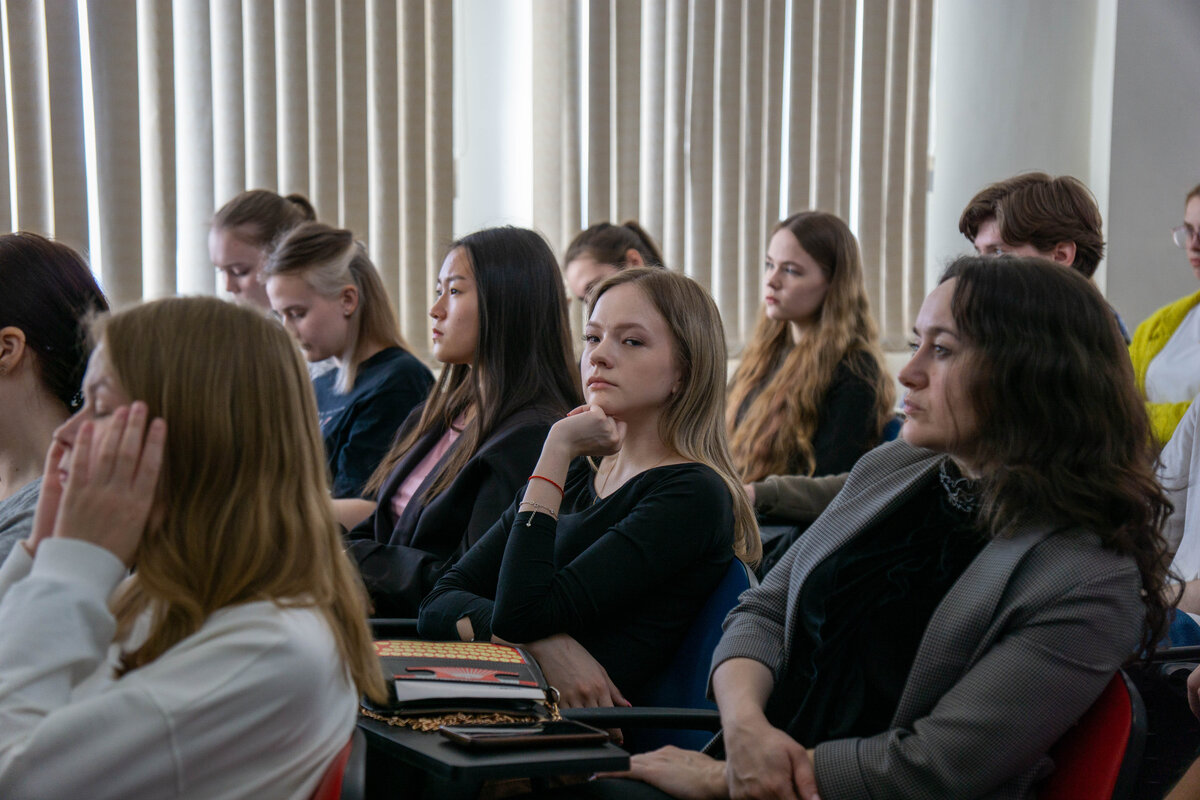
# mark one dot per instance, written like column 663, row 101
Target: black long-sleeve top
column 401, row 558
column 624, row 575
column 846, row 423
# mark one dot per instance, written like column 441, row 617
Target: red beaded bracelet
column 547, row 480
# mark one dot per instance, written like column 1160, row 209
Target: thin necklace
column 613, row 468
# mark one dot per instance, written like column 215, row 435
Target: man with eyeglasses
column 1166, row 347
column 1034, row 214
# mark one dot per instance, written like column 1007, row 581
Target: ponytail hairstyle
column 259, row 216
column 692, row 423
column 778, row 388
column 524, row 356
column 242, row 511
column 328, row 259
column 608, row 243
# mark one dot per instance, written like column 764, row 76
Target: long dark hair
column 1063, row 432
column 46, row 290
column 523, row 357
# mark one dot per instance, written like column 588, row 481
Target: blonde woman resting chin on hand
column 229, row 663
column 600, row 569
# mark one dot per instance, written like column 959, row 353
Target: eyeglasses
column 1183, row 235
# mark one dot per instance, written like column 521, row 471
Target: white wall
column 1155, row 151
column 493, row 125
column 1013, row 91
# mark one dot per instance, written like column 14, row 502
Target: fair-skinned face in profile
column 989, row 242
column 937, row 408
column 455, row 312
column 239, row 262
column 1191, row 218
column 319, row 324
column 794, row 284
column 628, row 366
column 102, row 396
column 584, row 273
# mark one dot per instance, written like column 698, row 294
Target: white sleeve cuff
column 84, row 565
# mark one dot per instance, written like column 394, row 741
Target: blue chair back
column 683, row 682
column 891, row 429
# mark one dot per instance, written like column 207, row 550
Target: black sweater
column 624, row 575
column 401, row 559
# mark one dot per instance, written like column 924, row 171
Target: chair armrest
column 393, row 627
column 694, row 719
column 1164, row 654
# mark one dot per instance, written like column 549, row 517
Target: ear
column 12, row 349
column 633, row 258
column 349, row 298
column 1063, row 253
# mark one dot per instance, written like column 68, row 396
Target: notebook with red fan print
column 462, row 676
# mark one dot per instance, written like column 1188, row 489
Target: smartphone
column 522, row 734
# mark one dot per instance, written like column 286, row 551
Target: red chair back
column 1098, row 758
column 330, row 787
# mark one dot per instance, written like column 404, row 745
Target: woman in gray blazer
column 974, row 586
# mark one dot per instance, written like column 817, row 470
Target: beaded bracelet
column 538, row 507
column 547, row 480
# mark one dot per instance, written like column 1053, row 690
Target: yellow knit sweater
column 1149, row 338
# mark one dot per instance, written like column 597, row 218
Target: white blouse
column 254, row 704
column 1173, row 375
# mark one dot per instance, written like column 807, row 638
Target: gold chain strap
column 432, row 723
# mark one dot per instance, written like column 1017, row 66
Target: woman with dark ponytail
column 605, row 249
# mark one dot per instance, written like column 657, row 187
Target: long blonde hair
column 692, row 423
column 328, row 260
column 242, row 510
column 788, row 383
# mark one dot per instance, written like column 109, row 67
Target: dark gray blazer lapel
column 955, row 634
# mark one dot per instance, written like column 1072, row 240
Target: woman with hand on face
column 242, row 234
column 599, row 570
column 603, row 250
column 974, row 586
column 331, row 299
column 1166, row 345
column 229, row 662
column 500, row 330
column 46, row 292
column 811, row 394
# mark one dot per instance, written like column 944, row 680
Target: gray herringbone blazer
column 1018, row 649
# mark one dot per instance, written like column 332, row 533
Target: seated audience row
column 980, row 550
column 973, row 587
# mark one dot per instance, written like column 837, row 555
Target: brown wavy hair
column 692, row 423
column 242, row 509
column 785, row 384
column 1063, row 432
column 1034, row 208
